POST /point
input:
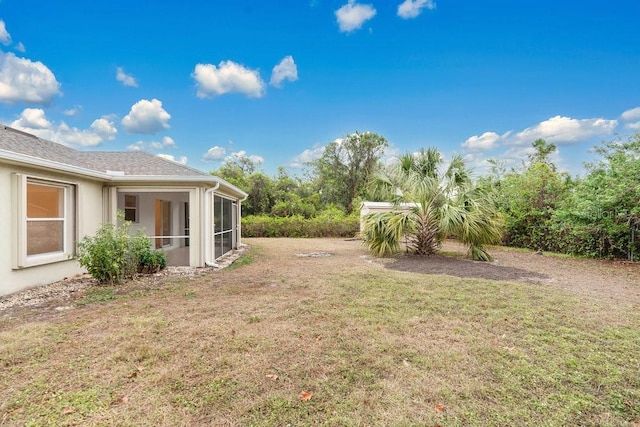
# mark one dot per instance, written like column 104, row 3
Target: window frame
column 135, row 208
column 69, row 222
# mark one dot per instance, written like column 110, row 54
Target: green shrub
column 106, row 255
column 152, row 261
column 113, row 255
column 329, row 224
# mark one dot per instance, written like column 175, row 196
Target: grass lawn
column 280, row 339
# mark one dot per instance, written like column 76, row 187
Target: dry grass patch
column 370, row 346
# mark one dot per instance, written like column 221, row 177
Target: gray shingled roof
column 130, row 162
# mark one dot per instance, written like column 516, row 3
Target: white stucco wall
column 88, row 220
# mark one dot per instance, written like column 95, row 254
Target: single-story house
column 51, row 196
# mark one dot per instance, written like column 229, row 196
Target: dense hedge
column 298, row 226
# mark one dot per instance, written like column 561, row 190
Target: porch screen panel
column 223, row 221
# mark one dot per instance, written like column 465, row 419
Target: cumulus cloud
column 214, row 153
column 182, row 159
column 227, row 77
column 165, row 142
column 125, row 79
column 307, row 156
column 484, row 142
column 5, row 37
column 32, row 118
column 558, row 129
column 20, row 47
column 22, row 80
column 352, row 16
column 632, row 114
column 243, row 155
column 146, row 117
column 565, row 130
column 412, row 8
column 104, row 128
column 72, row 111
column 34, row 121
column 285, row 70
column 632, row 117
column 136, row 146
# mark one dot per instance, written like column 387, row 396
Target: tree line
column 534, row 206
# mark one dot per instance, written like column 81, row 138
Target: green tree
column 602, row 216
column 543, row 149
column 529, row 198
column 244, row 173
column 342, row 173
column 430, row 203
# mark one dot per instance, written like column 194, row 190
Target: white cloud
column 146, row 117
column 558, row 129
column 632, row 114
column 486, row 141
column 516, row 147
column 20, row 47
column 22, row 80
column 632, row 117
column 34, row 121
column 125, row 79
column 307, row 156
column 227, row 77
column 165, row 142
column 5, row 37
column 214, row 153
column 352, row 15
column 563, row 130
column 243, row 155
column 412, row 8
column 182, row 159
column 72, row 111
column 104, row 128
column 285, row 70
column 136, row 146
column 32, row 118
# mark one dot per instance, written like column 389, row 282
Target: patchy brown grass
column 369, row 345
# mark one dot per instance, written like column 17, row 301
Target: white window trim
column 21, row 259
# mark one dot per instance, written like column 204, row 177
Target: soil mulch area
column 617, row 282
column 463, row 268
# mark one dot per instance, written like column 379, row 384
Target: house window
column 46, row 230
column 45, row 218
column 130, row 208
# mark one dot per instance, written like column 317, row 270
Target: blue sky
column 200, row 81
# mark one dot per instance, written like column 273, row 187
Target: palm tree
column 430, row 203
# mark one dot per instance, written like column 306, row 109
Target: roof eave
column 195, row 179
column 38, row 162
